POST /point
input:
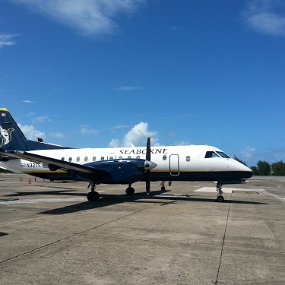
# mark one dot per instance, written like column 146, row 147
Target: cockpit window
column 222, row 154
column 210, row 154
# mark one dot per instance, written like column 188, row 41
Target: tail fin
column 12, row 138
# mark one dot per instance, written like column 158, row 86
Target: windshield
column 222, row 154
column 210, row 154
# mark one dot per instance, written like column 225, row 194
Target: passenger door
column 174, row 165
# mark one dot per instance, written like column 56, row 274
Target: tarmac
column 50, row 234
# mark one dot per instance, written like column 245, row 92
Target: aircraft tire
column 93, row 196
column 130, row 191
column 220, row 198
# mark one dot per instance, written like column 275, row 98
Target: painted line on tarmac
column 171, row 196
column 231, row 190
column 213, row 190
column 228, row 190
column 275, row 196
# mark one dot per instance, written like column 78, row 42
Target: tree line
column 265, row 168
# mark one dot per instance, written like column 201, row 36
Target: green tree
column 264, row 168
column 254, row 170
column 278, row 168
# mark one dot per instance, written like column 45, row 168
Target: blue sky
column 100, row 73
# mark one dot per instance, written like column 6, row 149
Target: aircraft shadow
column 54, row 192
column 105, row 200
column 110, row 199
column 2, row 234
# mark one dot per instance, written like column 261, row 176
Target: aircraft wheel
column 130, row 191
column 220, row 198
column 93, row 196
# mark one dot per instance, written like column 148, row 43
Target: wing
column 121, row 171
column 51, row 162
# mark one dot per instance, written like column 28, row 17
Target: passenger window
column 86, row 158
column 102, row 157
column 94, row 158
column 120, row 157
column 210, row 154
column 78, row 159
column 188, row 158
column 164, row 157
column 62, row 158
column 138, row 157
column 70, row 159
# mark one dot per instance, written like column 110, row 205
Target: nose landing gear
column 220, row 197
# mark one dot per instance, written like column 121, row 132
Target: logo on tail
column 5, row 136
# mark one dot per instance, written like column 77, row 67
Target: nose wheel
column 220, row 197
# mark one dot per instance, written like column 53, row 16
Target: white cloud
column 119, row 127
column 42, row 119
column 248, row 152
column 31, row 132
column 266, row 16
column 137, row 136
column 128, row 88
column 57, row 135
column 114, row 143
column 7, row 40
column 90, row 17
column 88, row 131
column 183, row 143
column 28, row 101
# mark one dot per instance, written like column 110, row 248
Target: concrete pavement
column 49, row 234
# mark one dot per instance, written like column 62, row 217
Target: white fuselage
column 180, row 163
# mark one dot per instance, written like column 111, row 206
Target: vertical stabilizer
column 12, row 138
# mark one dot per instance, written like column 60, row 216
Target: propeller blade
column 148, row 151
column 147, row 183
column 147, row 173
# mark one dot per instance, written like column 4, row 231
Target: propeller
column 147, row 172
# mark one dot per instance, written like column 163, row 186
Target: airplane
column 127, row 165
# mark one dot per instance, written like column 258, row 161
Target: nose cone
column 148, row 165
column 245, row 171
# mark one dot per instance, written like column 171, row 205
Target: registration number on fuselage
column 33, row 165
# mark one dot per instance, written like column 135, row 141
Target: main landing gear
column 93, row 195
column 130, row 191
column 220, row 197
column 162, row 185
